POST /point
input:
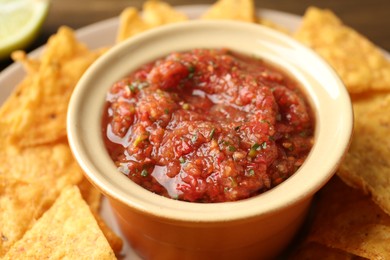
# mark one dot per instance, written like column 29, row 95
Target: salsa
column 207, row 125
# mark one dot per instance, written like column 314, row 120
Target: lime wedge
column 20, row 21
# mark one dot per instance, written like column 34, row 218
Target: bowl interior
column 326, row 93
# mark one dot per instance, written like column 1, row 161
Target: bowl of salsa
column 210, row 138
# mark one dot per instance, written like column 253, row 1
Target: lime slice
column 20, row 21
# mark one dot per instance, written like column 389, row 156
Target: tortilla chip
column 30, row 181
column 156, row 13
column 241, row 10
column 130, row 24
column 90, row 194
column 366, row 165
column 360, row 64
column 113, row 239
column 311, row 250
column 51, row 166
column 36, row 112
column 21, row 203
column 66, row 230
column 348, row 220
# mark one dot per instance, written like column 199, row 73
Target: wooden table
column 370, row 17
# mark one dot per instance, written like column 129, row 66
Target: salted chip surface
column 130, row 24
column 36, row 112
column 21, row 203
column 312, row 250
column 51, row 166
column 68, row 230
column 366, row 165
column 241, row 10
column 90, row 194
column 155, row 13
column 359, row 63
column 349, row 220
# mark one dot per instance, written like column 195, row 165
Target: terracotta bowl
column 255, row 228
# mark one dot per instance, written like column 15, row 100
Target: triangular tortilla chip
column 241, row 10
column 130, row 24
column 155, row 13
column 21, row 203
column 36, row 112
column 68, row 230
column 311, row 250
column 360, row 64
column 366, row 165
column 348, row 220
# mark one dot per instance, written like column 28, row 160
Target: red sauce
column 207, row 126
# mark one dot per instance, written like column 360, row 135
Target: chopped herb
column 191, row 70
column 144, row 173
column 194, row 138
column 131, row 87
column 166, row 111
column 231, row 148
column 303, row 134
column 182, row 160
column 256, row 147
column 212, row 133
column 252, row 153
column 237, row 128
column 265, row 121
column 251, row 172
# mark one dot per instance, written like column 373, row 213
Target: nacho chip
column 366, row 165
column 130, row 24
column 359, row 63
column 30, row 181
column 90, row 194
column 311, row 250
column 113, row 239
column 156, row 13
column 348, row 220
column 66, row 230
column 21, row 203
column 51, row 166
column 36, row 112
column 241, row 10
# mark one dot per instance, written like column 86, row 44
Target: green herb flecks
column 212, row 133
column 144, row 173
column 255, row 148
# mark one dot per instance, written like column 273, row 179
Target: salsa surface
column 207, row 125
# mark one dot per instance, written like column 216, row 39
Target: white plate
column 92, row 36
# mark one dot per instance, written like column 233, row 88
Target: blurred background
column 369, row 17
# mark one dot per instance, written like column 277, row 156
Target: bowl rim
column 288, row 193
